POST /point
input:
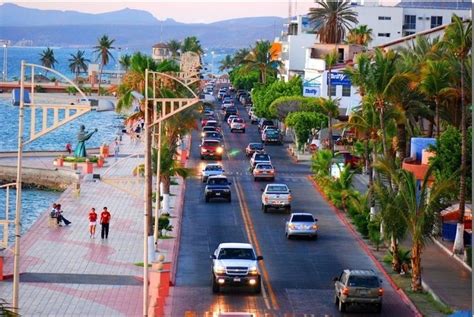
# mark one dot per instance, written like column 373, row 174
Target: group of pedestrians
column 104, row 220
column 104, row 223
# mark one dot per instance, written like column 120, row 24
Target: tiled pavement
column 49, row 254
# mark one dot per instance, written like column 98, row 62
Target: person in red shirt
column 104, row 222
column 92, row 222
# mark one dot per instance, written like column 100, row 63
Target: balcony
column 409, row 26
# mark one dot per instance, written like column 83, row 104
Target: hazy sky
column 181, row 10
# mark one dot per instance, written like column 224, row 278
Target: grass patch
column 72, row 159
column 166, row 237
column 140, row 264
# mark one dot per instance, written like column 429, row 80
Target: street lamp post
column 5, row 62
column 212, row 62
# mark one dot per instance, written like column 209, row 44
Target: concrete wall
column 51, row 179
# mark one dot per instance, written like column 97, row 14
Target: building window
column 346, row 91
column 409, row 22
column 383, row 34
column 406, row 33
column 385, row 18
column 332, row 91
column 436, row 21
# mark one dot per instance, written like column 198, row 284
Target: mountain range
column 129, row 27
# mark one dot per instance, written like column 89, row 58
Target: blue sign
column 338, row 79
column 311, row 90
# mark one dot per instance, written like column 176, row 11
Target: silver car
column 212, row 169
column 301, row 224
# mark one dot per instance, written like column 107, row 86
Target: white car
column 237, row 124
column 212, row 169
column 226, row 104
column 276, row 196
column 235, row 264
column 259, row 158
column 231, row 117
column 301, row 224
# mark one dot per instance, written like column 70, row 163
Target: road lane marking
column 253, row 238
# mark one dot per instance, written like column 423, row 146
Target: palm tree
column 77, row 63
column 47, row 58
column 260, row 59
column 458, row 40
column 361, row 35
column 321, row 163
column 435, row 78
column 103, row 50
column 174, row 46
column 239, row 56
column 191, row 44
column 332, row 20
column 418, row 208
column 226, row 63
column 125, row 61
column 330, row 60
column 331, row 108
column 359, row 73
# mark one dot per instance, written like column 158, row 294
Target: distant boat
column 16, row 96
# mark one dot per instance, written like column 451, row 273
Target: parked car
column 301, row 224
column 263, row 171
column 211, row 149
column 237, row 124
column 358, row 287
column 235, row 264
column 212, row 169
column 217, row 187
column 277, row 196
column 254, row 147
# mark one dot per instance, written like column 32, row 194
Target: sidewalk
column 446, row 277
column 66, row 273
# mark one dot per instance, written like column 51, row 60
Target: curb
column 364, row 246
column 451, row 254
column 428, row 289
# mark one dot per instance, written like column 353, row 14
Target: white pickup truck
column 276, row 196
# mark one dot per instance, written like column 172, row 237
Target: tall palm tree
column 77, row 63
column 226, row 63
column 260, row 59
column 240, row 55
column 361, row 35
column 174, row 46
column 419, row 207
column 125, row 61
column 191, row 44
column 330, row 60
column 435, row 78
column 359, row 72
column 47, row 58
column 103, row 50
column 458, row 41
column 332, row 19
column 331, row 108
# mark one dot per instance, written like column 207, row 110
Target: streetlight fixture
column 5, row 61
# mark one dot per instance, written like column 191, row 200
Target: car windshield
column 231, row 109
column 363, row 281
column 211, row 124
column 302, row 218
column 210, row 143
column 267, row 122
column 213, row 168
column 262, row 157
column 217, row 181
column 238, row 120
column 271, row 132
column 264, row 167
column 209, row 128
column 277, row 188
column 236, row 254
column 256, row 146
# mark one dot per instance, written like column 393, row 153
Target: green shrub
column 164, row 224
column 361, row 222
column 72, row 159
column 71, row 90
column 39, row 88
column 374, row 233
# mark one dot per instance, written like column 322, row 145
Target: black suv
column 230, row 111
column 217, row 187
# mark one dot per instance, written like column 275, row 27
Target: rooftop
column 160, row 45
column 448, row 5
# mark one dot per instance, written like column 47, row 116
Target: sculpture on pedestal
column 82, row 137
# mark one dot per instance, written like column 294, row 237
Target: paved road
column 297, row 273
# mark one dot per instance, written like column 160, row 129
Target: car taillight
column 266, row 199
column 290, row 197
column 380, row 291
column 345, row 291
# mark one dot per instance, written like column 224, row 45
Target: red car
column 211, row 149
column 205, row 119
column 353, row 160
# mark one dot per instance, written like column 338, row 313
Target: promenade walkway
column 66, row 273
column 448, row 279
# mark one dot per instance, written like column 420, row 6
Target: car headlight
column 226, row 190
column 203, row 134
column 219, row 150
column 292, row 226
column 314, row 227
column 253, row 270
column 219, row 269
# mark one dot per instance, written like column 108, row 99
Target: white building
column 161, row 52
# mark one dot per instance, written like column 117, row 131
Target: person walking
column 104, row 222
column 116, row 148
column 92, row 222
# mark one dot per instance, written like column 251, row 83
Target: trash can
column 104, row 150
column 449, row 230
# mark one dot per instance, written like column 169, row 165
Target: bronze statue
column 82, row 137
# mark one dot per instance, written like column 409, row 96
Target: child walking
column 92, row 222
